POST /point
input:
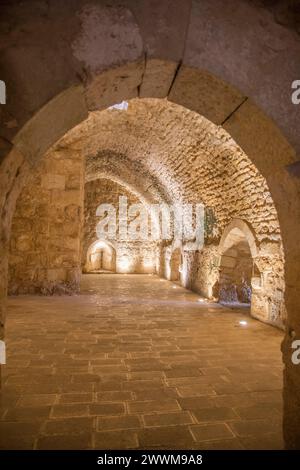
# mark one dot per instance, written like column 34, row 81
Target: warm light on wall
column 99, row 244
column 148, row 263
column 210, row 291
column 167, row 268
column 123, row 264
column 100, row 255
column 183, row 270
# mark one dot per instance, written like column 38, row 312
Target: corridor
column 135, row 361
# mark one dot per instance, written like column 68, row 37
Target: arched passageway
column 236, row 269
column 238, row 252
column 249, row 272
column 93, row 179
column 245, row 137
column 100, row 181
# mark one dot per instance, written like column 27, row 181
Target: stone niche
column 45, row 245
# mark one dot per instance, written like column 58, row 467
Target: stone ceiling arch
column 244, row 229
column 184, row 155
column 118, row 167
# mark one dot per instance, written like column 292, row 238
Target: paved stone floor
column 135, row 361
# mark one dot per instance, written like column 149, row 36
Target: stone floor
column 135, row 361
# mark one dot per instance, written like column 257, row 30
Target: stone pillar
column 45, row 245
column 13, row 172
column 291, row 391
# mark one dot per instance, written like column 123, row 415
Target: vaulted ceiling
column 164, row 152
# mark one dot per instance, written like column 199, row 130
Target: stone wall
column 131, row 256
column 268, row 285
column 45, row 246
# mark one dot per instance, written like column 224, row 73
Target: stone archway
column 250, row 272
column 101, row 256
column 249, row 126
column 237, row 251
column 236, row 266
column 231, row 234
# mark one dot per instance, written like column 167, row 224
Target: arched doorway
column 101, row 257
column 251, row 273
column 236, row 268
